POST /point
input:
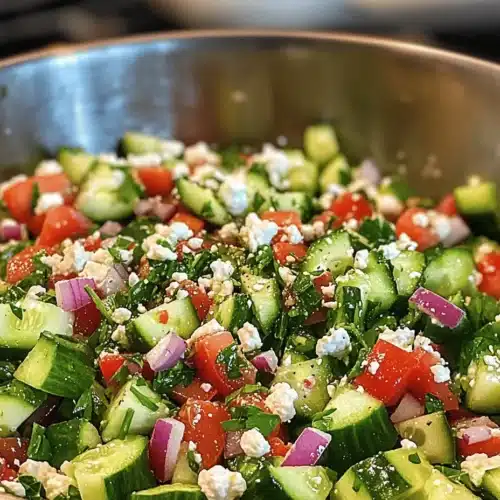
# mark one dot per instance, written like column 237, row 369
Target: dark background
column 27, row 25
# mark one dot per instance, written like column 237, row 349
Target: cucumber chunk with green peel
column 170, row 492
column 266, row 299
column 259, row 191
column 359, row 426
column 491, row 483
column 134, row 410
column 337, row 172
column 296, row 202
column 71, row 438
column 18, row 336
column 58, row 366
column 17, row 402
column 182, row 471
column 203, row 202
column 450, row 272
column 407, row 270
column 483, row 390
column 320, row 143
column 332, row 252
column 439, row 487
column 476, row 199
column 137, row 143
column 113, row 471
column 432, row 434
column 182, row 319
column 303, row 176
column 75, row 163
column 234, row 312
column 310, row 379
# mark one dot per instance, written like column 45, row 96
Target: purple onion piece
column 232, row 447
column 115, row 281
column 12, row 230
column 166, row 353
column 110, row 228
column 71, row 294
column 266, row 361
column 308, row 448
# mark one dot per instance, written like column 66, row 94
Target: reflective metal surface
column 408, row 106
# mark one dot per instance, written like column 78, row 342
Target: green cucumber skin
column 170, row 492
column 234, row 312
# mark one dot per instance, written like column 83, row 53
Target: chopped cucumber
column 139, row 144
column 439, row 487
column 234, row 312
column 310, row 379
column 112, row 471
column 304, row 176
column 75, row 163
column 182, row 319
column 57, row 365
column 170, row 492
column 134, row 410
column 259, row 191
column 483, row 390
column 17, row 402
column 408, row 268
column 476, row 199
column 302, row 483
column 337, row 172
column 298, row 202
column 491, row 482
column 320, row 143
column 182, row 471
column 432, row 434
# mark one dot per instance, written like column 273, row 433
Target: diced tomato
column 316, row 317
column 322, row 280
column 210, row 370
column 200, row 299
column 425, row 237
column 144, row 268
column 92, row 243
column 278, row 447
column 203, row 426
column 61, row 223
column 282, row 218
column 283, row 249
column 110, row 363
column 87, row 320
column 460, row 414
column 389, row 380
column 6, row 473
column 447, row 205
column 14, row 451
column 163, row 317
column 489, row 267
column 490, row 447
column 21, row 265
column 157, row 180
column 35, row 224
column 350, row 206
column 195, row 224
column 18, row 197
column 422, row 381
column 180, row 393
column 328, row 218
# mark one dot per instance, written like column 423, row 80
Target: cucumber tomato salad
column 180, row 322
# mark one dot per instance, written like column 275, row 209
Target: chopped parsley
column 232, row 360
column 251, row 417
column 166, row 380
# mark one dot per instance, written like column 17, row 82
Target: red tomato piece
column 109, row 364
column 422, row 381
column 389, row 380
column 14, row 451
column 328, row 218
column 147, row 371
column 61, row 223
column 158, row 181
column 207, row 350
column 92, row 243
column 200, row 299
column 283, row 249
column 203, row 426
column 316, row 317
column 489, row 267
column 87, row 320
column 163, row 317
column 447, row 205
column 35, row 224
column 6, row 473
column 278, row 447
column 424, row 236
column 282, row 218
column 195, row 224
column 180, row 393
column 490, row 447
column 322, row 280
column 21, row 265
column 350, row 206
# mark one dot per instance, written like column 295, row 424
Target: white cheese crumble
column 254, row 444
column 373, row 367
column 195, row 243
column 281, row 400
column 48, row 167
column 277, row 164
column 47, row 201
column 121, row 315
column 389, row 205
column 328, row 291
column 257, row 232
column 401, row 337
column 293, row 234
column 53, row 482
column 361, row 259
column 441, row 373
column 120, row 335
column 420, row 219
column 476, row 465
column 229, row 232
column 314, row 230
column 179, row 277
column 249, row 337
column 206, row 387
column 390, row 251
column 287, row 275
column 180, row 170
column 144, row 160
column 336, row 343
column 209, row 328
column 74, row 259
column 219, row 483
column 200, row 153
column 233, row 192
column 133, row 279
column 222, row 270
column 408, row 444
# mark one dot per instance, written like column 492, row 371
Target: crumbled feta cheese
column 121, row 315
column 441, row 373
column 328, row 291
column 181, row 294
column 34, row 292
column 48, row 167
column 287, row 275
column 373, row 367
column 336, row 343
column 171, row 148
column 233, row 192
column 209, row 328
column 159, row 252
column 293, row 234
column 229, row 232
column 54, row 483
column 492, row 361
column 390, row 251
column 47, row 201
column 408, row 445
column 351, row 224
column 281, row 400
column 222, row 270
column 401, row 337
column 313, row 231
column 200, row 153
column 120, row 335
column 249, row 337
column 15, row 487
column 476, row 465
column 206, row 387
column 219, row 483
column 415, row 274
column 254, row 444
column 195, row 243
column 257, row 232
column 179, row 170
column 177, row 231
column 133, row 279
column 389, row 205
column 144, row 160
column 73, row 260
column 361, row 259
column 404, row 242
column 420, row 219
column 277, row 164
column 141, row 309
column 179, row 277
column 441, row 225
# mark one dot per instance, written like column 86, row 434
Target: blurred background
column 469, row 26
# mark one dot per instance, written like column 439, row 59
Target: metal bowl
column 431, row 112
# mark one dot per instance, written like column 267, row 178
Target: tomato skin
column 489, row 267
column 282, row 249
column 6, row 472
column 391, row 379
column 21, row 265
column 202, row 421
column 316, row 317
column 200, row 299
column 447, row 205
column 350, row 206
column 13, row 449
column 205, row 360
column 35, row 224
column 163, row 317
column 180, row 393
column 92, row 243
column 195, row 224
column 61, row 223
column 491, row 447
column 87, row 320
column 328, row 218
column 278, row 447
column 157, row 180
column 282, row 218
column 322, row 280
column 423, row 236
column 109, row 364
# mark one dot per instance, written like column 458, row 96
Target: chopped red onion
column 308, row 448
column 437, row 307
column 12, row 230
column 369, row 172
column 164, row 447
column 465, row 423
column 110, row 228
column 166, row 353
column 155, row 206
column 232, row 447
column 474, row 435
column 459, row 231
column 115, row 281
column 409, row 407
column 71, row 294
column 266, row 361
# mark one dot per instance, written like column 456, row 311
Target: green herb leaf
column 307, row 298
column 251, row 417
column 258, row 201
column 99, row 303
column 246, row 389
column 143, row 399
column 35, row 196
column 232, row 360
column 357, row 483
column 377, row 232
column 414, row 458
column 433, row 404
column 39, row 447
column 17, row 311
column 193, row 464
column 323, row 414
column 207, row 210
column 179, row 374
column 84, row 404
column 33, row 488
column 127, row 421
